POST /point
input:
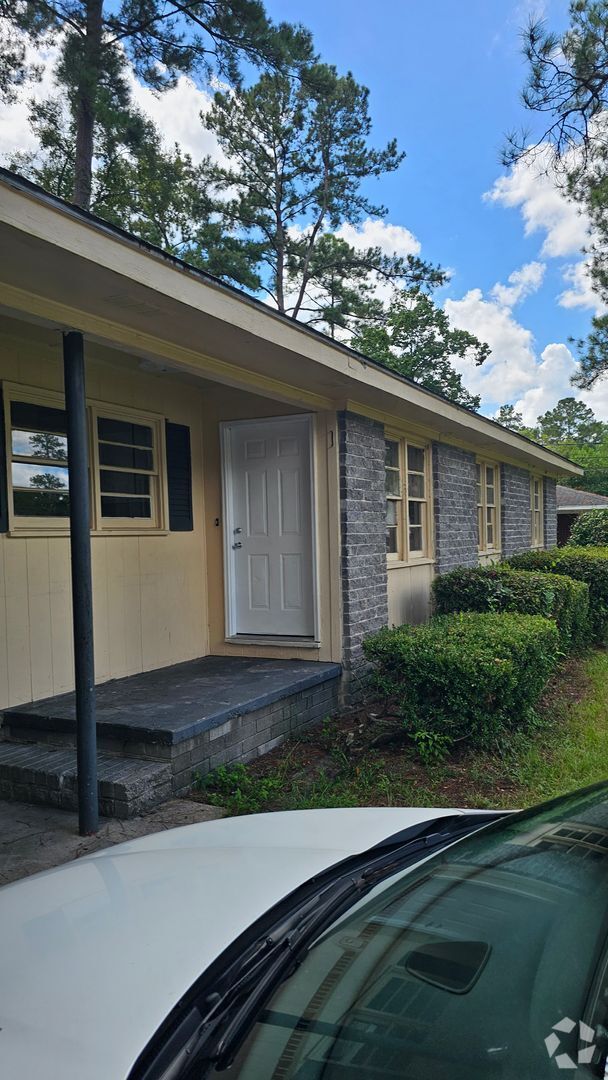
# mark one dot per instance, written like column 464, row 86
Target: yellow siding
column 409, row 593
column 158, row 599
column 149, row 591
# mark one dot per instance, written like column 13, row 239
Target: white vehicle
column 334, row 945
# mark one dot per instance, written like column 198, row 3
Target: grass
column 363, row 759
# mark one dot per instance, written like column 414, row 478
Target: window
column 127, row 465
column 536, row 510
column 127, row 471
column 406, row 500
column 487, row 507
column 38, row 452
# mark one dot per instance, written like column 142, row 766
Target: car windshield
column 488, row 960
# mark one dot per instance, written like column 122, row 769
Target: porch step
column 39, row 774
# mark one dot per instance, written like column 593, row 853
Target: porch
column 156, row 729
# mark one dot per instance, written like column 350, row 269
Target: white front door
column 269, row 542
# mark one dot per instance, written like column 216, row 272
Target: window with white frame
column 488, row 497
column 406, row 467
column 127, row 474
column 536, row 510
column 38, row 452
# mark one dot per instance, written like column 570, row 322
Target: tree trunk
column 88, row 83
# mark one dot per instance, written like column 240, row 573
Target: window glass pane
column 30, row 417
column 415, row 513
column 116, row 507
column 393, row 482
column 415, row 539
column 391, row 540
column 41, row 503
column 39, row 444
column 392, row 453
column 415, row 484
column 479, row 527
column 391, row 512
column 490, row 475
column 41, row 477
column 125, row 457
column 124, row 483
column 415, row 458
column 122, row 431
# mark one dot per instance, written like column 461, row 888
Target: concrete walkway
column 34, row 838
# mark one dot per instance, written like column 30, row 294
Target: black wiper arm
column 300, row 932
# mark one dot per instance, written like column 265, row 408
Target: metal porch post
column 82, row 589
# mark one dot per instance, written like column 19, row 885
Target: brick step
column 40, row 774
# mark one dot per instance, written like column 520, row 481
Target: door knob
column 237, row 544
column 238, row 530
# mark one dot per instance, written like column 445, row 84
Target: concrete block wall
column 516, row 522
column 455, row 507
column 363, row 537
column 243, row 738
column 550, row 512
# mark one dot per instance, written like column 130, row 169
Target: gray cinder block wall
column 455, row 503
column 516, row 521
column 550, row 512
column 363, row 537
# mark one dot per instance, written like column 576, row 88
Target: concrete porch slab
column 173, row 704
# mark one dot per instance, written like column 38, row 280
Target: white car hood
column 95, row 953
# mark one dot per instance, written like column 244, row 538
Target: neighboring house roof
column 69, row 268
column 570, row 500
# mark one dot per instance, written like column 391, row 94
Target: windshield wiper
column 230, row 1016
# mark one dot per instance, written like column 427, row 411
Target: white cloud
column 373, row 232
column 523, row 282
column 15, row 133
column 531, row 187
column 580, row 293
column 176, row 112
column 553, row 374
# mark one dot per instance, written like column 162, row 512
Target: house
column 571, row 503
column 259, row 499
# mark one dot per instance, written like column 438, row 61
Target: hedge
column 467, row 676
column 582, row 564
column 590, row 530
column 498, row 588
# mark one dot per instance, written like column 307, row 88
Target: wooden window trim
column 537, row 536
column 125, row 526
column 54, row 526
column 483, row 547
column 404, row 556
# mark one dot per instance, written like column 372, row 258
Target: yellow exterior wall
column 149, row 591
column 409, row 592
column 223, row 404
column 158, row 599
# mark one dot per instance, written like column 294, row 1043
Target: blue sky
column 444, row 79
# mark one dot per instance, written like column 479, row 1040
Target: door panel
column 271, row 588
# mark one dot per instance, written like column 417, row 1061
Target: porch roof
column 70, row 270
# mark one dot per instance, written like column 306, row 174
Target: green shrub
column 582, row 564
column 498, row 588
column 590, row 530
column 468, row 676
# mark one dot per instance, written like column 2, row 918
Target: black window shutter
column 179, row 477
column 3, row 466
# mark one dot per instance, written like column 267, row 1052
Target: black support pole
column 82, row 587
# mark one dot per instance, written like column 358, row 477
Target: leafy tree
column 299, row 157
column 161, row 39
column 157, row 193
column 567, row 87
column 415, row 339
column 43, row 444
column 590, row 530
column 570, row 423
column 48, row 481
column 509, row 418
